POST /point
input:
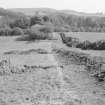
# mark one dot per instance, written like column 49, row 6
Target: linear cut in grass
column 6, row 68
column 40, row 51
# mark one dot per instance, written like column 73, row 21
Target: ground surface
column 40, row 78
column 87, row 35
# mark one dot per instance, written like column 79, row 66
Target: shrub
column 99, row 45
column 36, row 20
column 85, row 45
column 6, row 31
column 37, row 35
column 46, row 29
column 21, row 23
column 69, row 41
column 63, row 37
column 26, row 31
column 17, row 31
column 60, row 29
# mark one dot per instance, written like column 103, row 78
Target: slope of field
column 77, row 78
column 33, row 73
column 10, row 14
column 90, row 36
column 32, row 77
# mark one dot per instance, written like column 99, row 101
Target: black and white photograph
column 52, row 52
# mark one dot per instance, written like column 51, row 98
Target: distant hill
column 11, row 14
column 33, row 11
column 72, row 12
column 7, row 15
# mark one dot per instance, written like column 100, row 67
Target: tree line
column 57, row 22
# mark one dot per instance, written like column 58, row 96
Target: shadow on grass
column 27, row 38
column 33, row 38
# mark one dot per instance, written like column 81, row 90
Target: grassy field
column 35, row 79
column 32, row 73
column 91, row 36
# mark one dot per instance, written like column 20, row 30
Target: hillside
column 72, row 12
column 32, row 11
column 46, row 73
column 8, row 13
column 8, row 16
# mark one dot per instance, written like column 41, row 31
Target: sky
column 89, row 6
